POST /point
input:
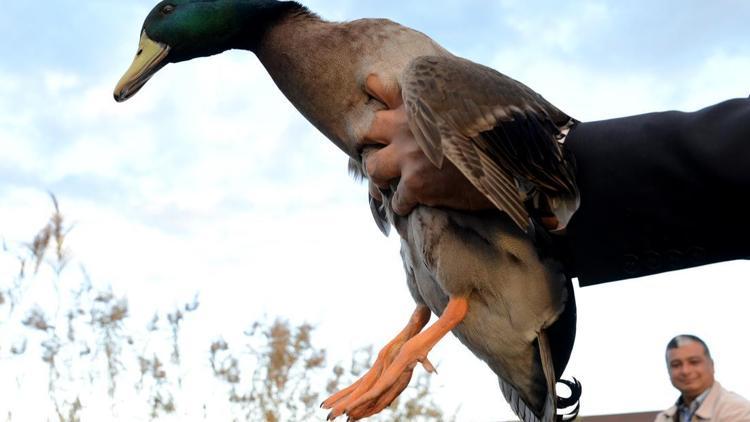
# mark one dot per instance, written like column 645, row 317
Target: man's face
column 690, row 370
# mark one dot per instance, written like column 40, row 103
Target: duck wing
column 503, row 136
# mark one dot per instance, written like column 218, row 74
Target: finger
column 403, row 201
column 389, row 93
column 375, row 192
column 384, row 126
column 382, row 166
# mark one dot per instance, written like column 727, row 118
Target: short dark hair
column 681, row 339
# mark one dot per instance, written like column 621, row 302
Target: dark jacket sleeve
column 660, row 192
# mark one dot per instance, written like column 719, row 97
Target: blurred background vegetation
column 72, row 350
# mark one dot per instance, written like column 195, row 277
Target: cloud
column 210, row 180
column 604, row 59
column 195, row 137
column 88, row 40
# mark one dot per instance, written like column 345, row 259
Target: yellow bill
column 148, row 60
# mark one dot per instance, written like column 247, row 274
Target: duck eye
column 167, row 9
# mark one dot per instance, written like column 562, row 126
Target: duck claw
column 428, row 366
column 388, row 377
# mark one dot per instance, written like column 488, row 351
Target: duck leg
column 340, row 401
column 395, row 377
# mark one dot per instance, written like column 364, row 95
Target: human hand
column 392, row 154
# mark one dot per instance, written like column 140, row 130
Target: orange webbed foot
column 393, row 369
column 340, row 401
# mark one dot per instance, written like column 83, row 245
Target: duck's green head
column 178, row 30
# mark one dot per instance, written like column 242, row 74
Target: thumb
column 403, row 201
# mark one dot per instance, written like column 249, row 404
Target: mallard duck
column 489, row 276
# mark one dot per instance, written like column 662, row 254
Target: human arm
column 659, row 191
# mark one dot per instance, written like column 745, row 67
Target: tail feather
column 572, row 400
column 526, row 414
column 553, row 403
column 517, row 404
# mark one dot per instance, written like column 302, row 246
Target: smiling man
column 702, row 398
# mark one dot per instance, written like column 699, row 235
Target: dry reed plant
column 92, row 351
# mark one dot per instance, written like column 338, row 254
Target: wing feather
column 498, row 132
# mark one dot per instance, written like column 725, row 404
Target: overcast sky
column 210, row 181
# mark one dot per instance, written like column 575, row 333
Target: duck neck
column 310, row 60
column 258, row 17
